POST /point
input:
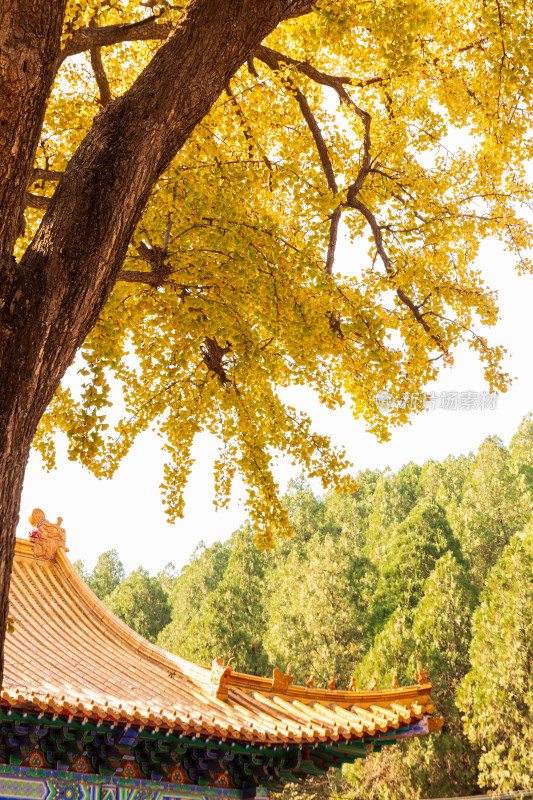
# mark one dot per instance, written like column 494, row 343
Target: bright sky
column 126, row 513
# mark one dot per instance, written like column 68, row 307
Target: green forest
column 430, row 566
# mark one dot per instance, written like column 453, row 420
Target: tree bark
column 30, row 40
column 51, row 300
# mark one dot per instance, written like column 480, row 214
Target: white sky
column 126, row 512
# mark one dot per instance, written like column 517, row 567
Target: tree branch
column 100, row 76
column 242, row 118
column 247, row 130
column 31, row 40
column 366, row 164
column 332, row 242
column 84, row 38
column 272, row 58
column 134, row 276
column 37, row 201
column 297, row 8
column 212, row 354
column 269, row 57
column 378, row 239
column 335, row 82
column 147, row 29
column 159, row 270
column 45, row 175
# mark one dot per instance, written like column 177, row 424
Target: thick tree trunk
column 13, row 462
column 30, row 39
column 52, row 299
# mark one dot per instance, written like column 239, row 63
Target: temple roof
column 69, row 655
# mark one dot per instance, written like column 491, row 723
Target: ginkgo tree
column 175, row 179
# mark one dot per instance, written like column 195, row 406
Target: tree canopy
column 187, row 173
column 229, row 289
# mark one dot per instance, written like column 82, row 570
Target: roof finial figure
column 282, row 680
column 310, row 682
column 352, row 687
column 47, row 537
column 422, row 676
column 394, row 683
column 375, row 686
column 220, row 675
column 331, row 684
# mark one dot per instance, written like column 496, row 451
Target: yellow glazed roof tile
column 68, row 654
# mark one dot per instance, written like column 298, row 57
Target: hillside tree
column 107, row 575
column 317, row 608
column 435, row 635
column 141, row 602
column 492, row 509
column 496, row 696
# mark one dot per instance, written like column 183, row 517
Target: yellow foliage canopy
column 404, row 121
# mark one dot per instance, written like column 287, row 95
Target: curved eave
column 69, row 655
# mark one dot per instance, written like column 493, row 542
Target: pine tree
column 412, row 550
column 435, row 635
column 141, row 602
column 521, row 450
column 232, row 620
column 496, row 696
column 107, row 574
column 195, row 584
column 317, row 610
column 491, row 510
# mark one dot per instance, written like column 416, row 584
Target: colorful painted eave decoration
column 84, row 693
column 39, row 784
